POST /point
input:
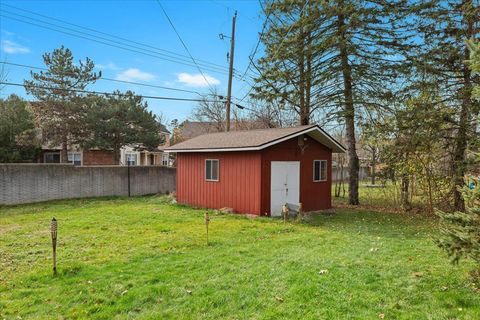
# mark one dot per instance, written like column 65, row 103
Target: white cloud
column 133, row 74
column 7, row 33
column 196, row 80
column 108, row 66
column 13, row 48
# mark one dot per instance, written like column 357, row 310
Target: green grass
column 387, row 197
column 143, row 258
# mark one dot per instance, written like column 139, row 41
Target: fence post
column 53, row 230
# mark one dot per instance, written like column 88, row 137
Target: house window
column 75, row 158
column 51, row 157
column 319, row 170
column 131, row 159
column 211, row 170
column 165, row 158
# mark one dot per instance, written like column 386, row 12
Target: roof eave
column 334, row 145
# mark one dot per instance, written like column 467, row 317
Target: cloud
column 133, row 74
column 7, row 33
column 196, row 80
column 108, row 66
column 9, row 46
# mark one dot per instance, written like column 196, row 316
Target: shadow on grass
column 371, row 223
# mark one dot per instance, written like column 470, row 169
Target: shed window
column 211, row 170
column 319, row 170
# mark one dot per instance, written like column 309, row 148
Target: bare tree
column 212, row 110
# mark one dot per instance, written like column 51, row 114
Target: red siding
column 238, row 186
column 313, row 195
column 244, row 181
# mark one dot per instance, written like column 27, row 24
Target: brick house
column 94, row 157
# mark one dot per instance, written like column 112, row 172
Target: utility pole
column 230, row 72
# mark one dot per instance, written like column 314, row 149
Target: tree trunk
column 305, row 73
column 116, row 156
column 64, row 151
column 302, row 83
column 374, row 164
column 461, row 144
column 404, row 187
column 349, row 113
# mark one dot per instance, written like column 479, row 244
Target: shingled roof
column 253, row 140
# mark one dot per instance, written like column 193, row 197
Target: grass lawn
column 143, row 258
column 386, row 197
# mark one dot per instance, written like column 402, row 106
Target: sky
column 199, row 23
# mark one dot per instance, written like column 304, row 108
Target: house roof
column 253, row 140
column 192, row 129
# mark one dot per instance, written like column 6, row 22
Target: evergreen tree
column 16, row 121
column 57, row 112
column 339, row 58
column 445, row 28
column 460, row 231
column 118, row 121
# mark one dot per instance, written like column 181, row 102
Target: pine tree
column 337, row 58
column 460, row 231
column 120, row 120
column 16, row 121
column 445, row 28
column 57, row 112
column 286, row 71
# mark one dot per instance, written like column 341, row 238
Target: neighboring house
column 129, row 155
column 257, row 171
column 340, row 163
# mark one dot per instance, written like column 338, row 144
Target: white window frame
column 218, row 169
column 165, row 159
column 320, row 173
column 52, row 153
column 73, row 153
column 127, row 154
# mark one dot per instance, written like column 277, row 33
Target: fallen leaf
column 280, row 299
column 381, row 316
column 417, row 274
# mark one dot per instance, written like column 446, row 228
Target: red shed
column 257, row 171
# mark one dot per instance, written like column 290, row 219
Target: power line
column 108, row 93
column 175, row 54
column 253, row 53
column 183, row 43
column 110, row 79
column 94, row 39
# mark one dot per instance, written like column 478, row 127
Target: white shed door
column 285, row 185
